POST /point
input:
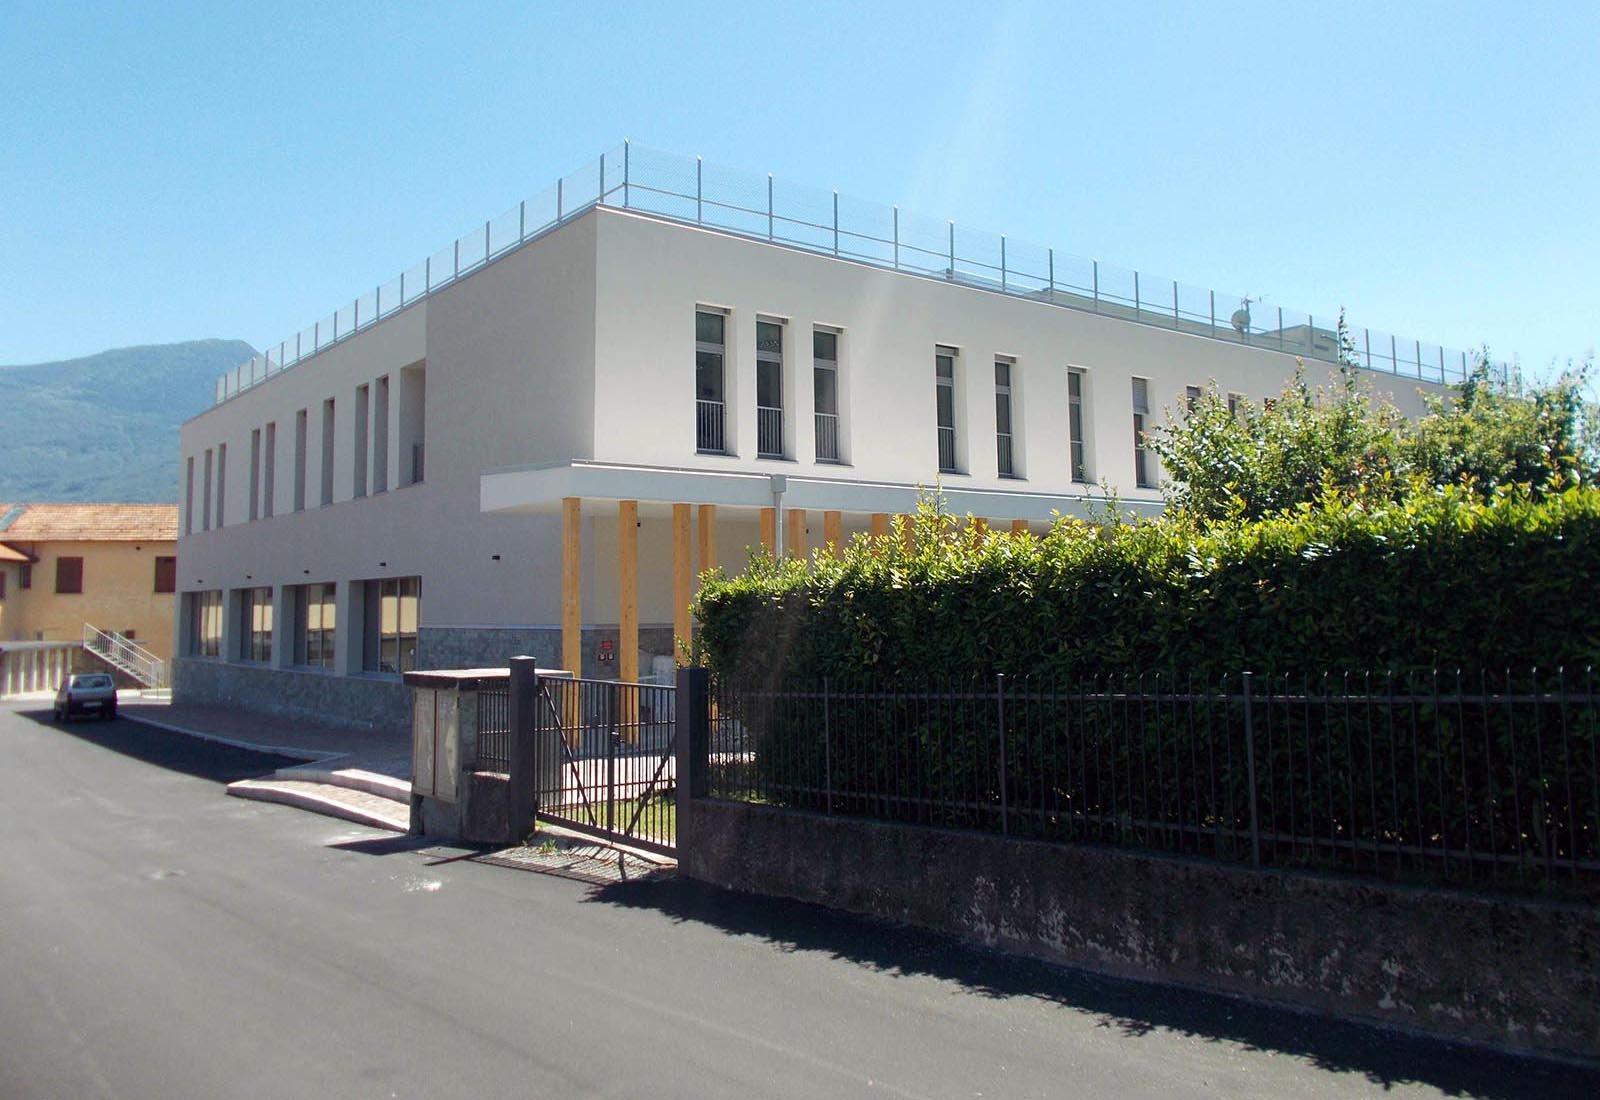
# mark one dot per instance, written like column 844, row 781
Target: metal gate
column 603, row 760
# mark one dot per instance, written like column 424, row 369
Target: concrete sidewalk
column 330, row 745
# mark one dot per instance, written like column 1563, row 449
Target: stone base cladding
column 491, row 647
column 1513, row 972
column 372, row 702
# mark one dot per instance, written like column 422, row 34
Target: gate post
column 691, row 740
column 522, row 697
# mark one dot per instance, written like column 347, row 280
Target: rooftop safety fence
column 761, row 207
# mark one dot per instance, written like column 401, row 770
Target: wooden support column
column 908, row 531
column 572, row 585
column 769, row 531
column 795, row 532
column 1019, row 527
column 628, row 591
column 980, row 528
column 833, row 533
column 880, row 525
column 682, row 584
column 708, row 538
column 628, row 613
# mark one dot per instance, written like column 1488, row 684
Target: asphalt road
column 160, row 940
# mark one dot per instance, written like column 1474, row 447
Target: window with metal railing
column 1004, row 438
column 710, row 358
column 1141, row 417
column 825, row 393
column 1075, row 442
column 944, row 369
column 769, row 389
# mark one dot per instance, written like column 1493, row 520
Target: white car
column 86, row 693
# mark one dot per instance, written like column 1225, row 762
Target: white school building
column 533, row 442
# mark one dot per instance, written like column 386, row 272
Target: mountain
column 105, row 427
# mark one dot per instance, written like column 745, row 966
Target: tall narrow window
column 166, row 574
column 1235, row 404
column 358, row 487
column 769, row 389
column 825, row 398
column 1080, row 468
column 710, row 357
column 314, row 625
column 1005, row 460
column 380, row 436
column 269, row 467
column 255, row 474
column 1141, row 416
column 413, row 423
column 255, row 619
column 205, row 501
column 1191, row 397
column 944, row 376
column 222, row 480
column 327, row 452
column 188, row 495
column 300, row 461
column 205, row 623
column 391, row 624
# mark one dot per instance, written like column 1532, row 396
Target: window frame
column 400, row 644
column 315, row 645
column 255, row 625
column 205, row 613
column 1005, row 396
column 945, row 385
column 711, row 424
column 1077, row 442
column 166, row 572
column 64, row 572
column 823, row 366
column 1141, row 453
column 770, row 417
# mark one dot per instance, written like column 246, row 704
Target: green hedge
column 1438, row 578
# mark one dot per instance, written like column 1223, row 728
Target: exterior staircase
column 353, row 794
column 126, row 655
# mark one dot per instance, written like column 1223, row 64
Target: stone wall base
column 367, row 702
column 1518, row 973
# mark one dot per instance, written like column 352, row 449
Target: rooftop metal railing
column 760, row 206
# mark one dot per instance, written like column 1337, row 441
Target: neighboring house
column 112, row 566
column 532, row 442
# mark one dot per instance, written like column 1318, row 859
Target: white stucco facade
column 566, row 368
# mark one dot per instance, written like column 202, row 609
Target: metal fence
column 1485, row 778
column 685, row 188
column 603, row 759
column 494, row 730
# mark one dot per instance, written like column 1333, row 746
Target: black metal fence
column 603, row 759
column 1491, row 778
column 494, row 730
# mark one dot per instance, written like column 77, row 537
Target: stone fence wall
column 1520, row 973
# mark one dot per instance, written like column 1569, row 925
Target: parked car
column 86, row 693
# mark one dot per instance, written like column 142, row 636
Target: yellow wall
column 119, row 582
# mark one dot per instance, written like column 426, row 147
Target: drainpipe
column 780, row 485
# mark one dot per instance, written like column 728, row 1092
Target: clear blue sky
column 169, row 172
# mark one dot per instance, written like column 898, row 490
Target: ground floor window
column 205, row 623
column 255, row 620
column 315, row 619
column 391, row 624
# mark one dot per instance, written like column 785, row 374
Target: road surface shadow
column 1384, row 1057
column 177, row 752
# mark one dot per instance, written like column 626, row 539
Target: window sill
column 774, row 458
column 1012, row 477
column 832, row 462
column 716, row 454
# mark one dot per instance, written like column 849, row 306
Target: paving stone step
column 354, row 779
column 362, row 807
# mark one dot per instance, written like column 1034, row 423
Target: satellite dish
column 1241, row 318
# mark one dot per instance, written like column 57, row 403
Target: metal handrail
column 126, row 654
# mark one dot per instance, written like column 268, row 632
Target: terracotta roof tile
column 90, row 522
